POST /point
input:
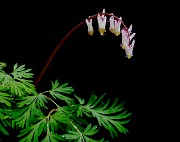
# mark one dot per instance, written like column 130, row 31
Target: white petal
column 101, row 21
column 117, row 27
column 89, row 24
column 111, row 20
column 103, row 11
column 130, row 28
column 132, row 36
column 132, row 44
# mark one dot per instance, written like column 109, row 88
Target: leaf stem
column 53, row 101
column 75, row 127
column 48, row 118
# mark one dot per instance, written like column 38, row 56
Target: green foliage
column 18, row 82
column 112, row 118
column 57, row 91
column 25, row 110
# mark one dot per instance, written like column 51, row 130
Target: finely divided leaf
column 90, row 130
column 112, row 118
column 5, row 98
column 58, row 91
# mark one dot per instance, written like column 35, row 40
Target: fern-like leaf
column 90, row 130
column 52, row 137
column 41, row 100
column 3, row 130
column 83, row 136
column 5, row 116
column 21, row 83
column 33, row 132
column 27, row 110
column 2, row 65
column 112, row 118
column 58, row 91
column 21, row 72
column 5, row 98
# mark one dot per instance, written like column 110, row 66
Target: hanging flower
column 126, row 39
column 90, row 27
column 102, row 22
column 129, row 50
column 117, row 26
column 111, row 20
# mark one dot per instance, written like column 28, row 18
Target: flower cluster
column 114, row 27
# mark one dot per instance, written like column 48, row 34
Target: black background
column 31, row 31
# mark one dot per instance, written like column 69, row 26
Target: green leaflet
column 5, row 98
column 52, row 137
column 58, row 92
column 87, row 139
column 112, row 118
column 2, row 65
column 21, row 72
column 90, row 130
column 63, row 88
column 21, row 116
column 83, row 136
column 5, row 114
column 41, row 100
column 3, row 130
column 27, row 110
column 33, row 132
column 18, row 81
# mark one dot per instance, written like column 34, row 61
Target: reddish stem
column 63, row 40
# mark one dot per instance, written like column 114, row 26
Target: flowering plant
column 71, row 118
column 115, row 28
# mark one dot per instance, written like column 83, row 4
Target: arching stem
column 63, row 40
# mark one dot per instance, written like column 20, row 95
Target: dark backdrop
column 31, row 31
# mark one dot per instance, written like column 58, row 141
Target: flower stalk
column 115, row 28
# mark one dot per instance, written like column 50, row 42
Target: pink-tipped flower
column 129, row 50
column 102, row 22
column 90, row 27
column 117, row 26
column 126, row 39
column 111, row 26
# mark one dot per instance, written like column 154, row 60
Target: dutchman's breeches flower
column 126, row 39
column 111, row 21
column 129, row 50
column 117, row 26
column 90, row 27
column 102, row 22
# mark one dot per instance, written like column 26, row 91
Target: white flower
column 129, row 50
column 117, row 26
column 90, row 27
column 126, row 39
column 102, row 22
column 111, row 20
